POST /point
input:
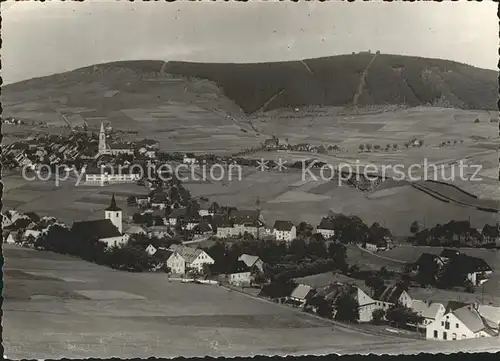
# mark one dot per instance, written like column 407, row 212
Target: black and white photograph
column 233, row 179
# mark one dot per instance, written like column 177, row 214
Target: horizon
column 74, row 35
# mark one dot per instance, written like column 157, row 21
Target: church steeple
column 102, row 139
column 113, row 207
column 114, row 214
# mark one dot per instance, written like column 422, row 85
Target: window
column 456, row 325
column 447, row 325
column 442, row 323
column 117, row 214
column 445, row 336
column 454, row 336
column 435, row 334
column 463, row 336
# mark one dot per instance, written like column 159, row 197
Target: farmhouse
column 284, row 231
column 300, row 295
column 252, row 261
column 326, row 228
column 192, row 258
column 476, row 269
column 240, row 275
column 391, row 295
column 430, row 311
column 10, row 238
column 462, row 323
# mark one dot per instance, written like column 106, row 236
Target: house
column 189, row 224
column 10, row 238
column 175, row 215
column 206, row 209
column 326, row 228
column 428, row 261
column 151, row 250
column 6, row 221
column 300, row 295
column 271, row 143
column 203, row 229
column 189, row 158
column 252, row 261
column 462, row 323
column 430, row 311
column 30, row 233
column 391, row 295
column 284, row 231
column 120, row 148
column 475, row 269
column 142, row 201
column 159, row 232
column 334, row 290
column 159, row 200
column 185, row 258
column 135, row 230
column 240, row 275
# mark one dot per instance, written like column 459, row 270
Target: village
column 301, row 265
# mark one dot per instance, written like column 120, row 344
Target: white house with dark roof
column 462, row 323
column 240, row 275
column 325, row 228
column 185, row 258
column 284, row 231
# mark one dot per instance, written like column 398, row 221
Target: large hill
column 362, row 79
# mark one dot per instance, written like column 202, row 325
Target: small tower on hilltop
column 102, row 140
column 114, row 214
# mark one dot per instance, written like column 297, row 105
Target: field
column 56, row 306
column 283, row 195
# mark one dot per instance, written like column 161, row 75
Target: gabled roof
column 98, row 229
column 326, row 224
column 203, row 227
column 426, row 309
column 239, row 267
column 301, row 292
column 189, row 254
column 490, row 313
column 249, row 260
column 471, row 318
column 389, row 294
column 469, row 264
column 244, row 216
column 426, row 259
column 283, row 226
column 113, row 207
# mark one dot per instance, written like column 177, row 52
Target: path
column 362, row 82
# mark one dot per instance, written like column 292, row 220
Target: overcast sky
column 51, row 37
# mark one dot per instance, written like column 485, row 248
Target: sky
column 52, row 37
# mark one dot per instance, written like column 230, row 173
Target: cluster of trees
column 453, row 234
column 397, row 315
column 283, row 262
column 130, row 257
column 369, row 147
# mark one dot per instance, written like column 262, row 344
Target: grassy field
column 56, row 306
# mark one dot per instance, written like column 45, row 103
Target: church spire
column 113, row 207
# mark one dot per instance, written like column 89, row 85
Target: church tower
column 114, row 214
column 102, row 140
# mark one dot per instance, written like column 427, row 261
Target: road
column 57, row 306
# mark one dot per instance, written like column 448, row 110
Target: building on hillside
column 151, row 250
column 326, row 228
column 284, row 231
column 463, row 323
column 252, row 261
column 430, row 311
column 192, row 259
column 159, row 232
column 107, row 230
column 301, row 295
column 240, row 275
column 391, row 295
column 10, row 238
column 107, row 175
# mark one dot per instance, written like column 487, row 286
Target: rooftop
column 283, row 226
column 98, row 229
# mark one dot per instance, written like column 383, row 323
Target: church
column 113, row 149
column 108, row 230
